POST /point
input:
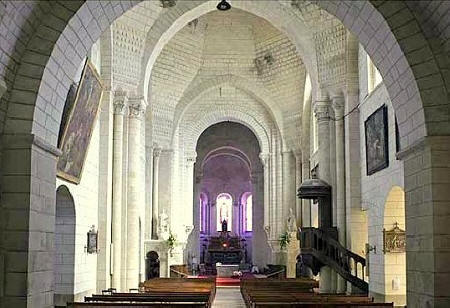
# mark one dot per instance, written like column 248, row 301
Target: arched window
column 224, row 207
column 247, row 211
column 373, row 75
column 203, row 201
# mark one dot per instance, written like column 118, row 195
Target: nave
column 228, row 140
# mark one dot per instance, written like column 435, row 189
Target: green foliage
column 171, row 241
column 284, row 240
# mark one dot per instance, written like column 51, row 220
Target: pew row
column 297, row 293
column 159, row 292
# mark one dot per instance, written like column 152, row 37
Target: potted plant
column 171, row 241
column 284, row 240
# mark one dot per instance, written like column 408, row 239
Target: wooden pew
column 159, row 292
column 297, row 293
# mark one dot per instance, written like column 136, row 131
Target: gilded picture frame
column 75, row 140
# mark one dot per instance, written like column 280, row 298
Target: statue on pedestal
column 224, row 225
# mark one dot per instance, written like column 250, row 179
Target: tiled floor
column 228, row 297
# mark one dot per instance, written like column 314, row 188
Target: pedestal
column 293, row 249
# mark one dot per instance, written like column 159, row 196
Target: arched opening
column 64, row 257
column 152, row 265
column 247, row 212
column 227, row 169
column 395, row 247
column 224, row 212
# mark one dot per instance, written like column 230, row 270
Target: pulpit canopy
column 313, row 188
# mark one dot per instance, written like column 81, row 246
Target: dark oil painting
column 376, row 129
column 80, row 122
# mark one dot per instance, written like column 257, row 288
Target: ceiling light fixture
column 223, row 5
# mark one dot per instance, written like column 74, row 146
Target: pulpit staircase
column 319, row 247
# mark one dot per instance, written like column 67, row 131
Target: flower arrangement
column 284, row 240
column 171, row 241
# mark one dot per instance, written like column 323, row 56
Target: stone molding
column 25, row 141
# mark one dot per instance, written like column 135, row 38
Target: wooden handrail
column 323, row 246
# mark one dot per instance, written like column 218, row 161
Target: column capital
column 322, row 109
column 157, row 151
column 264, row 158
column 191, row 158
column 120, row 102
column 137, row 106
column 338, row 104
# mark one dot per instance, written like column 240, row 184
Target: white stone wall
column 376, row 187
column 85, row 197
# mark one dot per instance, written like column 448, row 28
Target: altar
column 224, row 249
column 226, row 270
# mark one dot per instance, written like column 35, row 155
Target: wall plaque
column 92, row 236
column 394, row 240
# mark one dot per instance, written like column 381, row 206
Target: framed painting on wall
column 77, row 133
column 377, row 145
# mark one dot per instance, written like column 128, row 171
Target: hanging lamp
column 223, row 5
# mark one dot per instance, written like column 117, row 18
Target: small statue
column 291, row 224
column 224, row 225
column 164, row 226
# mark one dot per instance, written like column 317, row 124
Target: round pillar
column 120, row 104
column 136, row 114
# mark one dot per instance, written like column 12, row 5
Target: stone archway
column 37, row 97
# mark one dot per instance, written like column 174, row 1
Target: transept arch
column 270, row 10
column 212, row 117
column 50, row 81
column 254, row 90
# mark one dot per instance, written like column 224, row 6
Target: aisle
column 228, row 297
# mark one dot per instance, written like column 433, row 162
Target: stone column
column 289, row 193
column 321, row 111
column 136, row 114
column 265, row 162
column 120, row 104
column 338, row 106
column 298, row 181
column 306, row 204
column 155, row 197
column 190, row 161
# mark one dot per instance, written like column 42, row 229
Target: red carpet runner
column 227, row 282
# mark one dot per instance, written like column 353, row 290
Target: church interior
column 224, row 153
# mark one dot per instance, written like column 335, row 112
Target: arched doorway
column 395, row 253
column 64, row 257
